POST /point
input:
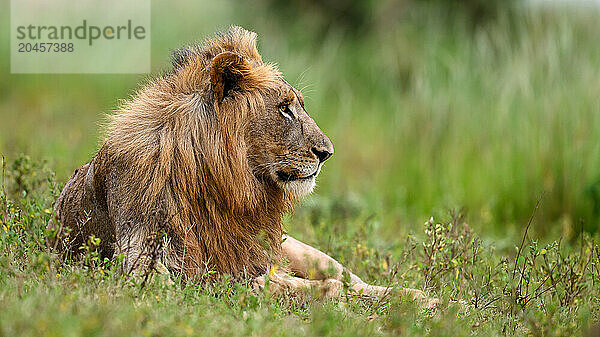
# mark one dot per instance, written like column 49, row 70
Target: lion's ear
column 227, row 73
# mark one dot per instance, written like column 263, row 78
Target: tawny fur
column 176, row 153
column 197, row 169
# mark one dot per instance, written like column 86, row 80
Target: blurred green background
column 431, row 105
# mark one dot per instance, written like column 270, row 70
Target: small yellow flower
column 48, row 211
column 273, row 270
column 543, row 251
column 384, row 265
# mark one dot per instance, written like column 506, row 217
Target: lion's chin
column 299, row 188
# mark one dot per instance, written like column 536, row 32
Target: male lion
column 210, row 155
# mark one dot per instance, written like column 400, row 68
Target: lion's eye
column 285, row 110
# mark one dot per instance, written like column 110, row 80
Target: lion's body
column 196, row 171
column 175, row 159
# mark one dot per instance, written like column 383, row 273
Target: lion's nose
column 322, row 152
column 322, row 146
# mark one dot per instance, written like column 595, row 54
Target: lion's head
column 225, row 143
column 284, row 144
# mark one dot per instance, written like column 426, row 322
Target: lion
column 205, row 160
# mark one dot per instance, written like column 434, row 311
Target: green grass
column 549, row 290
column 426, row 115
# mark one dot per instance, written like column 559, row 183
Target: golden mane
column 183, row 151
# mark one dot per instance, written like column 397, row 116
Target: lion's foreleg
column 280, row 283
column 310, row 263
column 284, row 284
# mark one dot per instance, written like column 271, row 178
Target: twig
column 490, row 302
column 537, row 205
column 387, row 290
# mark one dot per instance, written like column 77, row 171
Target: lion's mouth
column 288, row 177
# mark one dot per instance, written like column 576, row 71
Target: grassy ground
column 426, row 115
column 545, row 290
